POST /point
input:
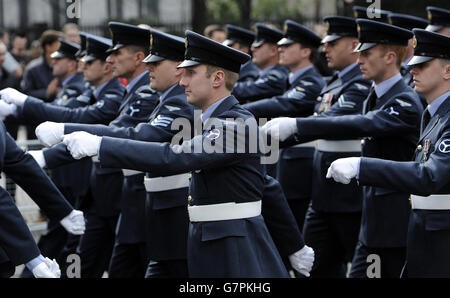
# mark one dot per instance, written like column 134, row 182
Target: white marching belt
column 338, row 146
column 167, row 183
column 224, row 211
column 95, row 158
column 433, row 202
column 311, row 144
column 127, row 172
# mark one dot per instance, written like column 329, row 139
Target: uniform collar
column 208, row 112
column 66, row 81
column 383, row 87
column 99, row 89
column 266, row 70
column 136, row 80
column 165, row 93
column 347, row 69
column 434, row 106
column 293, row 76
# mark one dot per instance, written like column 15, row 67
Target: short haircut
column 399, row 50
column 230, row 77
column 49, row 37
column 135, row 48
column 210, row 29
column 69, row 26
column 314, row 52
column 444, row 62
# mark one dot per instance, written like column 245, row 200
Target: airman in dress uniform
column 227, row 234
column 272, row 76
column 389, row 125
column 427, row 177
column 298, row 50
column 241, row 39
column 334, row 216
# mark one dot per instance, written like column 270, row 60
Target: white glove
column 82, row 144
column 38, row 156
column 74, row 222
column 280, row 128
column 344, row 169
column 6, row 109
column 47, row 269
column 303, row 260
column 11, row 95
column 50, row 133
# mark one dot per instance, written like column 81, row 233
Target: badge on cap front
column 429, row 15
column 414, row 42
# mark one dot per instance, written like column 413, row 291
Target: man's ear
column 218, row 78
column 139, row 57
column 447, row 71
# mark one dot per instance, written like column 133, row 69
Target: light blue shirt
column 163, row 96
column 434, row 106
column 266, row 70
column 384, row 86
column 295, row 75
column 99, row 89
column 136, row 79
column 34, row 262
column 68, row 79
column 208, row 112
column 347, row 70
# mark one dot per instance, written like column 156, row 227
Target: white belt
column 338, row 146
column 311, row 144
column 167, row 183
column 127, row 172
column 433, row 202
column 224, row 211
column 95, row 158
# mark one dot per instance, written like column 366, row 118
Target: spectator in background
column 38, row 80
column 215, row 32
column 71, row 33
column 10, row 64
column 8, row 80
column 19, row 48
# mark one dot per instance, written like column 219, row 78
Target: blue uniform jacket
column 103, row 110
column 390, row 131
column 106, row 183
column 270, row 83
column 249, row 72
column 340, row 97
column 166, row 224
column 428, row 174
column 232, row 248
column 23, row 170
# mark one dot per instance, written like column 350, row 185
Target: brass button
column 319, row 98
column 363, row 141
column 419, row 147
column 315, row 114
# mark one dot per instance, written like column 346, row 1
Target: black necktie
column 425, row 119
column 371, row 100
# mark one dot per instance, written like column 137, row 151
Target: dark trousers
column 299, row 209
column 7, row 269
column 129, row 260
column 96, row 245
column 391, row 259
column 167, row 269
column 333, row 236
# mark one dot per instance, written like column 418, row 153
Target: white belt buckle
column 224, row 211
column 432, row 202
